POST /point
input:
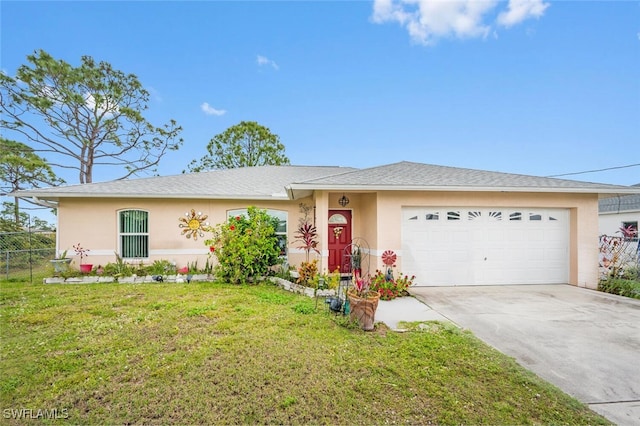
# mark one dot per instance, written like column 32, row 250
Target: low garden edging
column 180, row 278
column 300, row 289
column 133, row 279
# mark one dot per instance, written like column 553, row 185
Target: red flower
column 232, row 227
column 212, row 249
column 237, row 217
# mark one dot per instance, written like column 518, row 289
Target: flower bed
column 389, row 286
column 133, row 279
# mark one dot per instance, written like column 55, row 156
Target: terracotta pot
column 85, row 268
column 363, row 309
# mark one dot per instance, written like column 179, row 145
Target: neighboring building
column 448, row 226
column 619, row 211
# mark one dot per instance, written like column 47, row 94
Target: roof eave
column 57, row 196
column 621, row 211
column 296, row 188
column 302, row 190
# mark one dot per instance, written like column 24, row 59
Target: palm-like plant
column 306, row 235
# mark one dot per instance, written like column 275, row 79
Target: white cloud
column 264, row 61
column 209, row 110
column 106, row 105
column 520, row 10
column 428, row 20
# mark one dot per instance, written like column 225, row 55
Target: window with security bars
column 134, row 234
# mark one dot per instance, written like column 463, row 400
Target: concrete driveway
column 585, row 342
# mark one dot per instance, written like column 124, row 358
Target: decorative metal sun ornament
column 192, row 224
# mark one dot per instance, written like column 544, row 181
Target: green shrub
column 328, row 280
column 631, row 273
column 119, row 268
column 245, row 246
column 308, row 273
column 161, row 267
column 621, row 287
column 332, row 280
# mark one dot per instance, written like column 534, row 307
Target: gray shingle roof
column 624, row 203
column 263, row 182
column 276, row 182
column 416, row 176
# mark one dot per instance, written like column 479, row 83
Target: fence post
column 25, row 251
column 30, row 250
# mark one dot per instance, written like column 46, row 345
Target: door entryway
column 339, row 236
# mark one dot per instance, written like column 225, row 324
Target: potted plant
column 363, row 302
column 61, row 262
column 85, row 268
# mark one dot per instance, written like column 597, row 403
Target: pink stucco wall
column 376, row 218
column 93, row 224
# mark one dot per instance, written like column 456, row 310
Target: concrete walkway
column 392, row 312
column 585, row 342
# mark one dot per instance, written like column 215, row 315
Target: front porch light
column 343, row 201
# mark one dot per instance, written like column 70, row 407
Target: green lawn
column 206, row 353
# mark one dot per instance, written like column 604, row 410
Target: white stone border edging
column 300, row 289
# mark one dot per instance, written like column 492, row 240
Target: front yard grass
column 208, row 353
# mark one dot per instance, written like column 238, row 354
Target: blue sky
column 533, row 87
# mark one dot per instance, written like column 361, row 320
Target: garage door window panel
column 535, row 217
column 453, row 215
column 474, row 215
column 495, row 216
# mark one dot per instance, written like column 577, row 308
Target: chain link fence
column 619, row 256
column 24, row 253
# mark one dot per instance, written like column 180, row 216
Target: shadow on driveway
column 583, row 341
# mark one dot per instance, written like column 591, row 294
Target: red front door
column 339, row 238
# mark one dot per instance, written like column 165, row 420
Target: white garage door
column 485, row 246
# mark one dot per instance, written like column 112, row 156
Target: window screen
column 134, row 234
